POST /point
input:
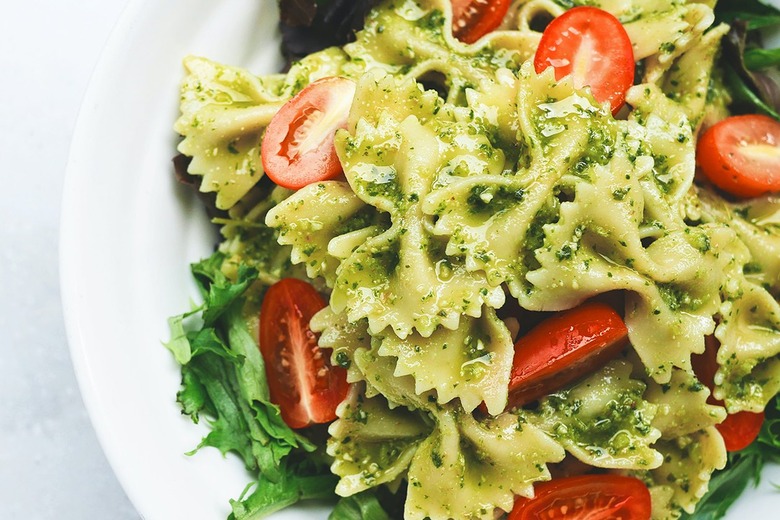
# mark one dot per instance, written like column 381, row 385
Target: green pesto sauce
column 364, row 218
column 432, row 23
column 676, row 298
column 485, row 199
column 476, row 349
column 382, row 184
column 257, row 247
column 613, row 430
column 534, row 238
column 662, row 175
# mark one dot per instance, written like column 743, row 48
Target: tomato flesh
column 473, row 19
column 591, row 46
column 741, row 155
column 563, row 348
column 298, row 146
column 739, row 429
column 301, row 379
column 591, row 497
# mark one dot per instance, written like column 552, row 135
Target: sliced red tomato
column 590, row 45
column 473, row 19
column 739, row 429
column 741, row 155
column 563, row 348
column 586, row 497
column 298, row 145
column 301, row 379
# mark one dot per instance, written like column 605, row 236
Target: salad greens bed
column 751, row 71
column 223, row 375
column 223, row 379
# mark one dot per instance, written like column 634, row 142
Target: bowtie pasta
column 503, row 187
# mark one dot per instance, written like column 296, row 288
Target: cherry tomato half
column 592, row 46
column 301, row 379
column 586, row 497
column 739, row 429
column 564, row 348
column 741, row 155
column 473, row 19
column 298, row 145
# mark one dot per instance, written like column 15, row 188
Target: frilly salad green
column 483, row 189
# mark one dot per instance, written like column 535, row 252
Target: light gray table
column 51, row 465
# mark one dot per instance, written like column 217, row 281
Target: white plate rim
column 77, row 320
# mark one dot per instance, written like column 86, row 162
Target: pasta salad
column 512, row 257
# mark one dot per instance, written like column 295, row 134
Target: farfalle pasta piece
column 603, row 421
column 749, row 354
column 680, row 482
column 749, row 328
column 402, row 278
column 489, row 219
column 343, row 339
column 380, row 425
column 681, row 405
column 667, row 321
column 313, row 217
column 471, row 364
column 468, row 209
column 468, row 469
column 415, row 39
column 464, row 468
column 224, row 112
column 371, row 443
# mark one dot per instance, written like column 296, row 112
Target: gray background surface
column 51, row 465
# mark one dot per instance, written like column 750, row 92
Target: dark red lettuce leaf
column 752, row 90
column 309, row 26
column 297, row 13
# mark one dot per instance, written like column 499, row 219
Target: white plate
column 128, row 234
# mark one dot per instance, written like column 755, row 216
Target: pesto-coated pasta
column 679, row 483
column 476, row 191
column 604, row 421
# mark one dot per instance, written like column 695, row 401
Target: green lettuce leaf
column 750, row 71
column 757, row 59
column 298, row 481
column 223, row 380
column 219, row 291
